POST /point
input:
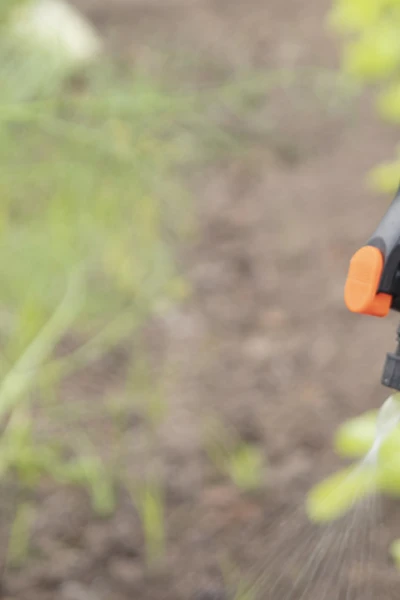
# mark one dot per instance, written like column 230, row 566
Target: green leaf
column 375, row 55
column 389, row 475
column 245, row 467
column 390, row 447
column 18, row 546
column 395, row 552
column 349, row 16
column 336, row 495
column 149, row 499
column 355, row 437
column 388, row 103
column 385, row 177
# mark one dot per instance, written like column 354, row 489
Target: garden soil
column 264, row 344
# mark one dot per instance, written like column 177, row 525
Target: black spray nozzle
column 391, row 370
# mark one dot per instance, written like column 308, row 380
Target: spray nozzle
column 391, row 370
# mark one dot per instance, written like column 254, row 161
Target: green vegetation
column 92, row 206
column 18, row 547
column 149, row 499
column 395, row 552
column 7, row 7
column 241, row 462
column 334, row 496
column 371, row 55
column 91, row 209
column 337, row 494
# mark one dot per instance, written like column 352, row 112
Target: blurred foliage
column 18, row 546
column 7, row 7
column 353, row 440
column 395, row 552
column 92, row 206
column 334, row 496
column 243, row 463
column 97, row 184
column 337, row 494
column 148, row 497
column 372, row 55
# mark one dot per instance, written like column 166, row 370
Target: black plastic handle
column 387, row 239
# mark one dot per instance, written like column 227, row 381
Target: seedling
column 87, row 256
column 372, row 56
column 146, row 392
column 339, row 493
column 242, row 462
column 395, row 553
column 148, row 497
column 355, row 437
column 90, row 472
column 377, row 437
column 19, row 540
column 245, row 467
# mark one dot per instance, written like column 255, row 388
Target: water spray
column 334, row 553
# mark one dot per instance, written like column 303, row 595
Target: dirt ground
column 265, row 342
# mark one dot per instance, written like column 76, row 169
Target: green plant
column 395, row 552
column 379, row 473
column 91, row 205
column 19, row 540
column 355, row 437
column 91, row 473
column 353, row 440
column 244, row 466
column 146, row 394
column 241, row 461
column 372, row 55
column 334, row 496
column 7, row 7
column 22, row 455
column 148, row 497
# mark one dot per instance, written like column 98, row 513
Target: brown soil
column 265, row 342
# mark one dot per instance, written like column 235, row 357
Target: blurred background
column 182, row 184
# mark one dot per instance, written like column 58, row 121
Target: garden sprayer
column 373, row 281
